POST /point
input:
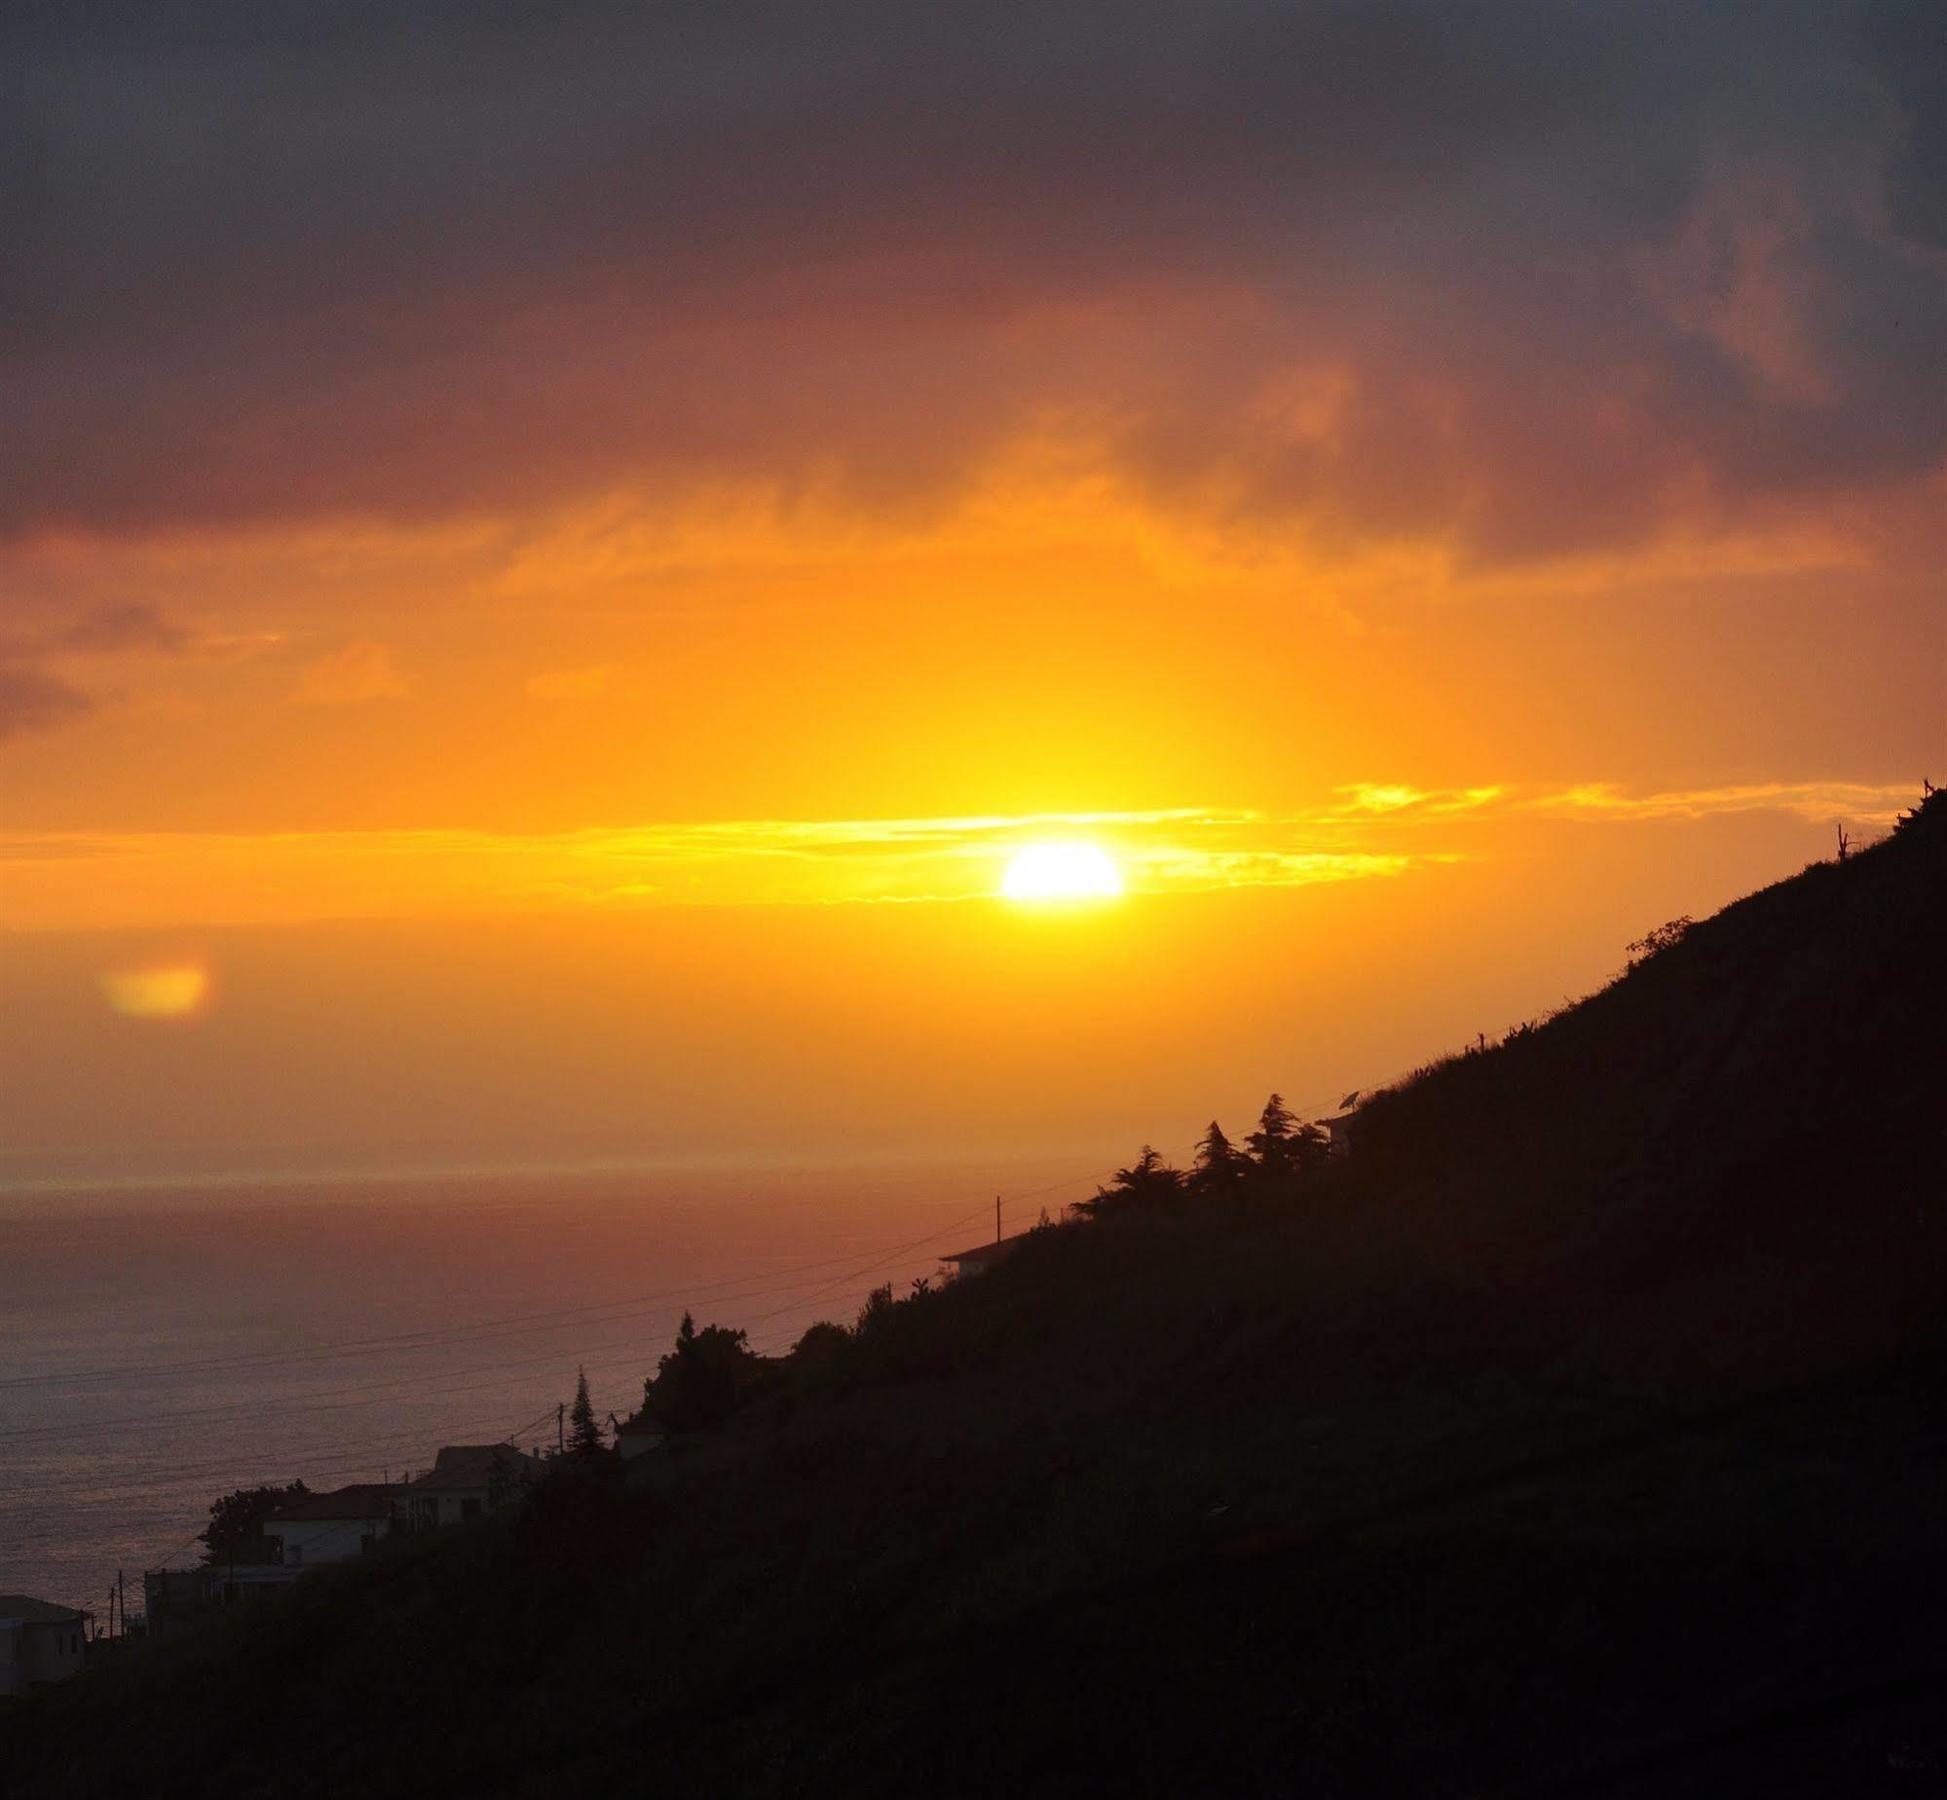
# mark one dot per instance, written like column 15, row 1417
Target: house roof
column 363, row 1500
column 19, row 1608
column 640, row 1425
column 985, row 1252
column 472, row 1466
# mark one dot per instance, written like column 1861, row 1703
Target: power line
column 332, row 1399
column 339, row 1457
column 345, row 1450
column 433, row 1336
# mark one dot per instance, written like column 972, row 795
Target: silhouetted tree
column 584, row 1433
column 702, row 1380
column 235, row 1532
column 1283, row 1146
column 876, row 1310
column 822, row 1346
column 1220, row 1168
column 1269, row 1142
column 1148, row 1184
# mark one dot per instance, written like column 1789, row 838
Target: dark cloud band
column 1571, row 267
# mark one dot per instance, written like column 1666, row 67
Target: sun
column 1061, row 872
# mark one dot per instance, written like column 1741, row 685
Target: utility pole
column 997, row 1218
column 560, row 1429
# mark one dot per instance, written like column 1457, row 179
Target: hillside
column 1581, row 1432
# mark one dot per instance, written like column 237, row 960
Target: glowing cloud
column 189, row 880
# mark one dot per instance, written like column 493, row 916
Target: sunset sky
column 550, row 558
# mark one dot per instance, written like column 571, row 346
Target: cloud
column 1529, row 277
column 31, row 700
column 163, row 879
column 114, row 630
column 358, row 673
column 125, row 628
column 73, row 880
column 35, row 695
column 1814, row 801
column 1395, row 800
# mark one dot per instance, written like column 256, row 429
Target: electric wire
column 332, row 1399
column 431, row 1336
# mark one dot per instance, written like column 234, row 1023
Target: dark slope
column 1790, row 1041
column 1751, row 1122
column 1586, row 1433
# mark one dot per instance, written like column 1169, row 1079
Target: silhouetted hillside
column 1582, row 1432
column 1789, row 1042
column 1762, row 1094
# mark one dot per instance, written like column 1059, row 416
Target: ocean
column 160, row 1346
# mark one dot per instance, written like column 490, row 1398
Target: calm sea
column 161, row 1347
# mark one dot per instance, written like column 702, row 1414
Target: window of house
column 469, row 1509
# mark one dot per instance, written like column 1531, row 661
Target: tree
column 1270, row 1143
column 1220, row 1167
column 877, row 1312
column 584, row 1434
column 702, row 1380
column 822, row 1348
column 1148, row 1184
column 1284, row 1147
column 235, row 1532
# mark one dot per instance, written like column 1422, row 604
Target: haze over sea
column 163, row 1344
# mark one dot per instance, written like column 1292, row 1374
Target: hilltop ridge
column 1578, row 1432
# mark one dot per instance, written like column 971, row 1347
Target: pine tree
column 584, row 1434
column 1148, row 1183
column 1270, row 1143
column 1284, row 1147
column 1220, row 1165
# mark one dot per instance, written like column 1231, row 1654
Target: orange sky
column 540, row 587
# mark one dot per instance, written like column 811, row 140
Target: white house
column 39, row 1642
column 316, row 1529
column 466, row 1481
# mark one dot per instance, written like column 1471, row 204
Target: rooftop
column 472, row 1465
column 363, row 1500
column 19, row 1608
column 985, row 1252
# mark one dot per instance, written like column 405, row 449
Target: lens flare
column 1061, row 872
column 157, row 991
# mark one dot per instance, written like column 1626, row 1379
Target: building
column 174, row 1599
column 637, row 1435
column 316, row 1529
column 467, row 1481
column 981, row 1257
column 39, row 1642
column 1340, row 1128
